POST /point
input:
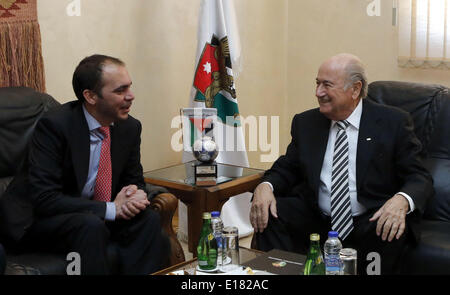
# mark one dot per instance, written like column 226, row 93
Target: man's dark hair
column 88, row 74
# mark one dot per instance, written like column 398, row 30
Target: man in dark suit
column 85, row 177
column 353, row 166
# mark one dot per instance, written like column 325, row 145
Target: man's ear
column 357, row 87
column 90, row 96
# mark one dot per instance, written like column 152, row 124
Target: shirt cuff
column 412, row 207
column 271, row 186
column 110, row 211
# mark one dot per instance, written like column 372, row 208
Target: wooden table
column 179, row 180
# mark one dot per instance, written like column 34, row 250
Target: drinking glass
column 348, row 260
column 230, row 248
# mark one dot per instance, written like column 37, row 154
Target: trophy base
column 205, row 173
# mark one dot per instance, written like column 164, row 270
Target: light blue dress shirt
column 96, row 138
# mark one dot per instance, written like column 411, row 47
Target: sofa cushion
column 4, row 182
column 20, row 108
column 432, row 254
column 422, row 101
column 16, row 211
column 36, row 264
column 44, row 263
column 438, row 207
column 429, row 106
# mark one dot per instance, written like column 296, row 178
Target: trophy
column 205, row 151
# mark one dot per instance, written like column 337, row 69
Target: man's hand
column 391, row 218
column 130, row 201
column 263, row 201
column 137, row 202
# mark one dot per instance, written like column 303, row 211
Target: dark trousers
column 298, row 219
column 140, row 243
column 2, row 260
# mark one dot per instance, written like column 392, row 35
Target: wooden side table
column 179, row 180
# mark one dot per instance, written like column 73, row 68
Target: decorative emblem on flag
column 214, row 80
column 8, row 5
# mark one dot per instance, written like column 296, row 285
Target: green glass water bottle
column 314, row 264
column 207, row 245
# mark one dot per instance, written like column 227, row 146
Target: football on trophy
column 205, row 149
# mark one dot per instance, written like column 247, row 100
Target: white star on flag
column 207, row 67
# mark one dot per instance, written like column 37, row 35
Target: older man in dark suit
column 353, row 166
column 85, row 177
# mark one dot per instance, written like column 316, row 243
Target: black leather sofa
column 20, row 108
column 429, row 106
column 2, row 260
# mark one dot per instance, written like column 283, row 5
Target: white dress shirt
column 325, row 175
column 96, row 138
column 327, row 166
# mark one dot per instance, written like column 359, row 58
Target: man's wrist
column 412, row 207
column 271, row 186
column 110, row 214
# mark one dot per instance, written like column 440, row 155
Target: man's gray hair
column 356, row 72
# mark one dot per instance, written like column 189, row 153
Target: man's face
column 116, row 95
column 335, row 102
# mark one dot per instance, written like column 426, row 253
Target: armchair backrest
column 20, row 109
column 429, row 106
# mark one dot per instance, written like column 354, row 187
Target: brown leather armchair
column 20, row 108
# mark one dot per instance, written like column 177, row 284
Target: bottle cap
column 314, row 237
column 333, row 234
column 206, row 215
column 215, row 214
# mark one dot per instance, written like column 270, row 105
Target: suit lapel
column 369, row 129
column 319, row 142
column 80, row 144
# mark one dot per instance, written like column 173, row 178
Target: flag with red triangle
column 218, row 62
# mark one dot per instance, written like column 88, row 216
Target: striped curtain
column 424, row 34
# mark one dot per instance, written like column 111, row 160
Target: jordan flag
column 217, row 63
column 218, row 52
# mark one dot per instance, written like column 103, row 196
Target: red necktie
column 102, row 190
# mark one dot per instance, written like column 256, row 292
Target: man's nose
column 130, row 95
column 320, row 90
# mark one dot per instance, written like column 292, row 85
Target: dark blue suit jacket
column 388, row 163
column 57, row 168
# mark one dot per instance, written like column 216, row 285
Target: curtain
column 424, row 40
column 21, row 62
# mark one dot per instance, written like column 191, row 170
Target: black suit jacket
column 388, row 159
column 57, row 168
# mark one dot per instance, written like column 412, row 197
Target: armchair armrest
column 154, row 190
column 166, row 204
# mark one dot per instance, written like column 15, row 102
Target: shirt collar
column 91, row 121
column 93, row 124
column 355, row 117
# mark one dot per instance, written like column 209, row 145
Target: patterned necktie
column 341, row 209
column 102, row 190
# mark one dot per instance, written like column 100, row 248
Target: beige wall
column 157, row 39
column 319, row 29
column 283, row 41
